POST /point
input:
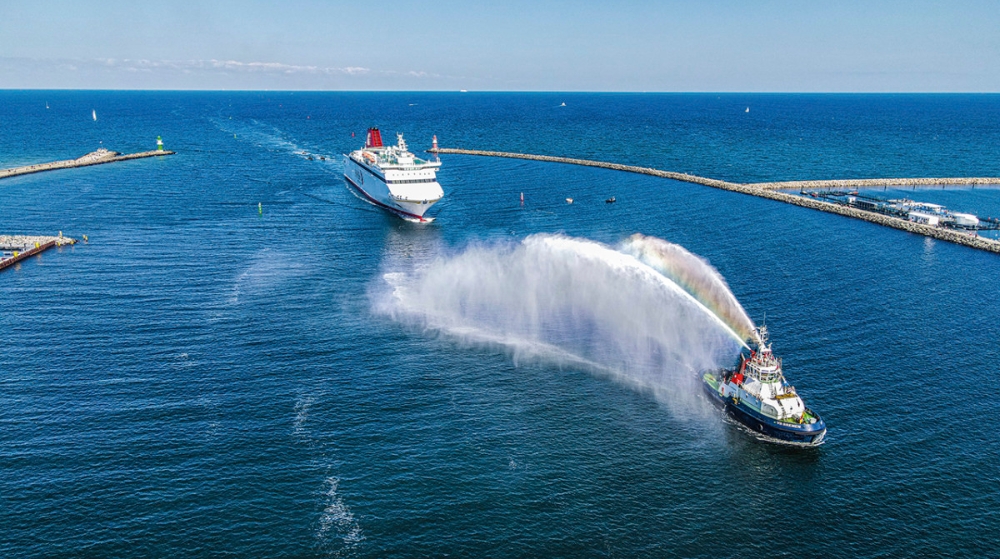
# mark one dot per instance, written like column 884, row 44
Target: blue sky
column 847, row 45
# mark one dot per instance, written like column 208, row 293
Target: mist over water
column 567, row 301
column 696, row 276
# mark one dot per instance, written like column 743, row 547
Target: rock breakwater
column 98, row 157
column 772, row 191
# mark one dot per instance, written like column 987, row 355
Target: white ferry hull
column 374, row 188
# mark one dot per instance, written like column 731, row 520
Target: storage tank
column 965, row 220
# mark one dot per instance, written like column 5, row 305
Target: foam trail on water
column 696, row 276
column 565, row 300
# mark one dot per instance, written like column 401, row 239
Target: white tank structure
column 393, row 178
column 967, row 221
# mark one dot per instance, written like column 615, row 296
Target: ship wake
column 576, row 303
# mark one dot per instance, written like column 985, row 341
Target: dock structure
column 773, row 191
column 98, row 157
column 15, row 248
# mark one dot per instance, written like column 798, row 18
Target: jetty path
column 772, row 191
column 15, row 248
column 98, row 157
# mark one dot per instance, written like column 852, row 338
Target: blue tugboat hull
column 796, row 433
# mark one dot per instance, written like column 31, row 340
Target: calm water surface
column 203, row 380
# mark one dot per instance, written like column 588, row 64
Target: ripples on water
column 200, row 379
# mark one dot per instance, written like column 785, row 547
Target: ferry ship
column 757, row 395
column 393, row 178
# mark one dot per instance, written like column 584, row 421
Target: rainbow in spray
column 696, row 276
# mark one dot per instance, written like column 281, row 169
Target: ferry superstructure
column 757, row 395
column 393, row 178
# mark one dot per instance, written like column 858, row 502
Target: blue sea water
column 203, row 380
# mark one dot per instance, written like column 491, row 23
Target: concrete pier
column 772, row 190
column 15, row 248
column 98, row 157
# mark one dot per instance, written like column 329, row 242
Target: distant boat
column 563, row 105
column 94, row 114
column 46, row 104
column 748, row 110
column 463, row 90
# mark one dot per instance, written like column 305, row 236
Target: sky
column 508, row 45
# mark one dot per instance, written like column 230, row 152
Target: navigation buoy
column 522, row 198
column 260, row 208
column 159, row 143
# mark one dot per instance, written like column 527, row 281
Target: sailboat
column 94, row 114
column 748, row 109
column 46, row 104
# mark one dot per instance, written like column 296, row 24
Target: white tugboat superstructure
column 393, row 178
column 757, row 395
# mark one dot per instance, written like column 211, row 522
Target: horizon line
column 511, row 91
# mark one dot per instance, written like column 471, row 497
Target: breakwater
column 15, row 248
column 868, row 183
column 98, row 157
column 772, row 191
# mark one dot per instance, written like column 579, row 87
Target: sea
column 246, row 359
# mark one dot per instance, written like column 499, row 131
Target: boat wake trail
column 572, row 302
column 268, row 137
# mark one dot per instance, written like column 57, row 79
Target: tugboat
column 757, row 395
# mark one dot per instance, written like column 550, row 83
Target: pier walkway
column 772, row 191
column 15, row 248
column 98, row 157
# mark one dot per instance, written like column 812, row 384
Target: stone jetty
column 868, row 183
column 98, row 157
column 772, row 191
column 15, row 248
column 20, row 242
